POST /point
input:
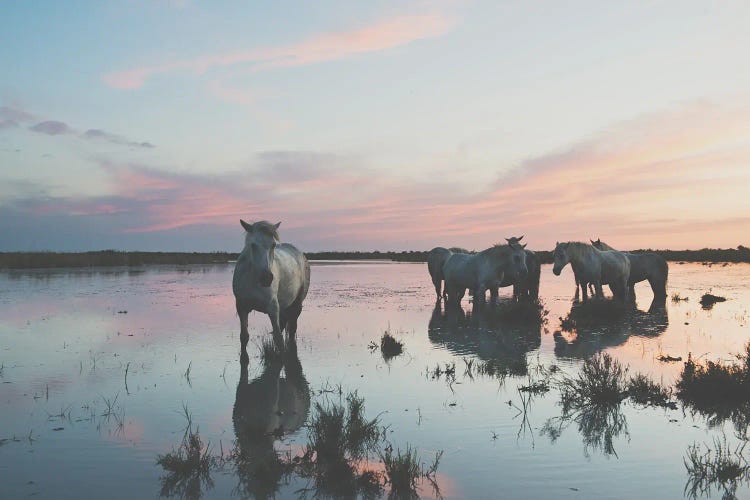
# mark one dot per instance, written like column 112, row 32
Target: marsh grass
column 720, row 391
column 676, row 297
column 644, row 391
column 405, row 470
column 708, row 300
column 722, row 468
column 188, row 468
column 601, row 381
column 389, row 346
column 336, row 431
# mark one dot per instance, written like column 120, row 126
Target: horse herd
column 273, row 278
column 511, row 264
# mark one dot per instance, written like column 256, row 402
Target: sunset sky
column 157, row 125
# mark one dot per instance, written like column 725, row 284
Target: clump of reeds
column 389, row 346
column 722, row 468
column 188, row 467
column 336, row 431
column 601, row 381
column 643, row 390
column 708, row 300
column 404, row 470
column 676, row 297
column 719, row 390
column 523, row 311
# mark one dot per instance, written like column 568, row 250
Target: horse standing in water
column 525, row 286
column 591, row 265
column 644, row 266
column 269, row 277
column 482, row 271
column 436, row 259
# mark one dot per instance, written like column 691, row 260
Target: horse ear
column 520, row 237
column 248, row 227
column 277, row 225
column 524, row 245
column 592, row 241
column 508, row 240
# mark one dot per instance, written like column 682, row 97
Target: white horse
column 482, row 271
column 436, row 259
column 591, row 265
column 271, row 278
column 644, row 266
column 525, row 287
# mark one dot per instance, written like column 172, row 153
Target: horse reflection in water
column 589, row 339
column 481, row 333
column 265, row 409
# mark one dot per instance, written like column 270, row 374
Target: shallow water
column 68, row 337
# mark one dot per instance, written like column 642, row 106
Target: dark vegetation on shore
column 111, row 258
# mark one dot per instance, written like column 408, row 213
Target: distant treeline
column 110, row 258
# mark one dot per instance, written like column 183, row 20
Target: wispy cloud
column 15, row 117
column 383, row 35
column 649, row 182
column 51, row 127
column 99, row 134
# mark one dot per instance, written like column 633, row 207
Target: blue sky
column 155, row 125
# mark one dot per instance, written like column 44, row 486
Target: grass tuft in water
column 719, row 390
column 601, row 381
column 708, row 300
column 722, row 468
column 644, row 391
column 404, row 471
column 188, row 468
column 389, row 346
column 676, row 297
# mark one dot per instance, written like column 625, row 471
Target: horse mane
column 605, row 246
column 267, row 228
column 499, row 248
column 579, row 248
column 458, row 250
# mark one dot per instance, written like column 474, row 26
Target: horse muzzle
column 556, row 271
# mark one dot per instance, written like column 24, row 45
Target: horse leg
column 577, row 296
column 437, row 282
column 598, row 288
column 273, row 315
column 292, row 314
column 243, row 311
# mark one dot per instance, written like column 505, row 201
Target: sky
column 157, row 125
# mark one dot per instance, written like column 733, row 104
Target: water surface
column 74, row 425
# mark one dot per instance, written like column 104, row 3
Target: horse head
column 597, row 244
column 519, row 259
column 515, row 241
column 561, row 258
column 260, row 243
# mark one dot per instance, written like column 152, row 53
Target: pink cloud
column 377, row 37
column 669, row 180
